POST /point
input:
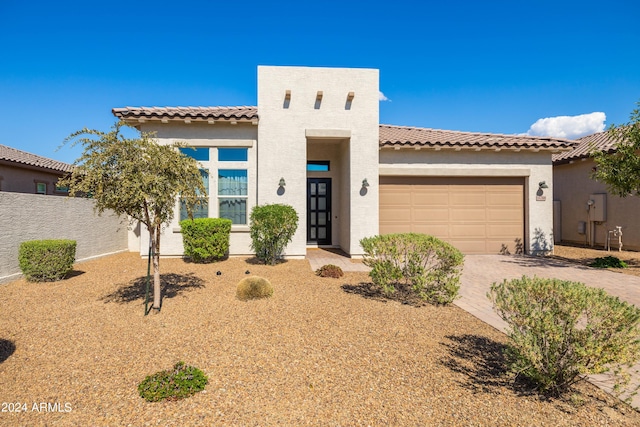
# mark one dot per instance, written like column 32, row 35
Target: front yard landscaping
column 314, row 353
column 588, row 256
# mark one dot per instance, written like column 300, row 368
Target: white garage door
column 477, row 215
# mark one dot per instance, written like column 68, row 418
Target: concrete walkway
column 318, row 257
column 480, row 271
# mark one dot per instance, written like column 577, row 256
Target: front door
column 319, row 211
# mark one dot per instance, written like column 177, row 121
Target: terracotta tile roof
column 402, row 136
column 602, row 141
column 8, row 154
column 390, row 136
column 242, row 113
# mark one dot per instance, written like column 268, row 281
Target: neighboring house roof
column 12, row 155
column 402, row 136
column 390, row 136
column 242, row 113
column 602, row 141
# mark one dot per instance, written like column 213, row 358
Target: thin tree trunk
column 155, row 245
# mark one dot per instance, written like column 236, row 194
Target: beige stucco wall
column 532, row 166
column 24, row 179
column 26, row 217
column 305, row 114
column 212, row 136
column 572, row 187
column 288, row 127
column 279, row 147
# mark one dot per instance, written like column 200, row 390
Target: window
column 41, row 188
column 62, row 189
column 230, row 198
column 318, row 166
column 232, row 155
column 201, row 154
column 232, row 195
column 200, row 210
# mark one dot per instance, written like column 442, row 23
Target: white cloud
column 570, row 127
column 382, row 97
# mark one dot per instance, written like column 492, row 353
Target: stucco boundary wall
column 26, row 217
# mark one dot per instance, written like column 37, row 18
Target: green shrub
column 428, row 266
column 253, row 287
column 180, row 382
column 46, row 260
column 205, row 239
column 272, row 227
column 608, row 262
column 330, row 270
column 560, row 331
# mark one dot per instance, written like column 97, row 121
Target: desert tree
column 136, row 177
column 620, row 168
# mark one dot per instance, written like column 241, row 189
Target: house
column 586, row 212
column 22, row 172
column 314, row 142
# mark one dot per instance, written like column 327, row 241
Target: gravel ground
column 313, row 354
column 586, row 256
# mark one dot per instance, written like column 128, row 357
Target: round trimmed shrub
column 254, row 287
column 177, row 383
column 271, row 228
column 205, row 239
column 46, row 260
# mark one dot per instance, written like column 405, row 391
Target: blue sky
column 490, row 66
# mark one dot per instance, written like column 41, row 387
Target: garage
column 478, row 215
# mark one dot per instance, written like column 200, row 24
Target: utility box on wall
column 599, row 207
column 582, row 227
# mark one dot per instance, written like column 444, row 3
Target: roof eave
column 23, row 165
column 138, row 120
column 454, row 147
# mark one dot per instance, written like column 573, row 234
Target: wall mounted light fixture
column 282, row 183
column 542, row 185
column 365, row 183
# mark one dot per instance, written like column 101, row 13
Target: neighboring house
column 314, row 142
column 22, row 172
column 585, row 210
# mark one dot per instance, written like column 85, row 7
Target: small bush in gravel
column 427, row 266
column 180, row 382
column 46, row 260
column 205, row 239
column 254, row 287
column 560, row 331
column 271, row 228
column 608, row 262
column 330, row 270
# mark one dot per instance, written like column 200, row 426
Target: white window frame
column 244, row 197
column 235, row 165
column 213, row 166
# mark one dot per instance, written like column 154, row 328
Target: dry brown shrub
column 254, row 287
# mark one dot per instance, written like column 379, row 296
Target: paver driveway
column 480, row 271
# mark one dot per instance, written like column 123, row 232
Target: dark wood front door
column 319, row 210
